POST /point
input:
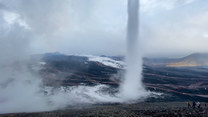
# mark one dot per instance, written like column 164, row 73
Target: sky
column 168, row 28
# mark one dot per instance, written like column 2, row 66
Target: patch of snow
column 42, row 63
column 38, row 66
column 106, row 61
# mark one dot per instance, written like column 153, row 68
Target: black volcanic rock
column 77, row 69
column 177, row 84
column 159, row 109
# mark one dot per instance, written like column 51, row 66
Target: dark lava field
column 143, row 109
column 176, row 83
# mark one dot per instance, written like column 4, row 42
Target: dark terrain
column 177, row 83
column 144, row 109
column 179, row 80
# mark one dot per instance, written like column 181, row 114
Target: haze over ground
column 168, row 27
column 80, row 27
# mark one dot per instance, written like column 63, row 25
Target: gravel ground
column 144, row 109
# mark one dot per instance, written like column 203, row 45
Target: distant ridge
column 193, row 60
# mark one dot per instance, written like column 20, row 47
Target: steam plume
column 132, row 88
column 23, row 91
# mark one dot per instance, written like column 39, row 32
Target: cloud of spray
column 21, row 89
column 132, row 88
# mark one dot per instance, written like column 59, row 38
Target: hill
column 193, row 60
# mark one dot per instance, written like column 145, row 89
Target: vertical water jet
column 131, row 87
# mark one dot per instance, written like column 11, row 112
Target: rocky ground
column 182, row 83
column 145, row 109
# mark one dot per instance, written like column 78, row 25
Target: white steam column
column 131, row 87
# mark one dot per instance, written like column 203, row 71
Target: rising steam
column 22, row 90
column 132, row 88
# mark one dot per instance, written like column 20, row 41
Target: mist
column 21, row 88
column 132, row 87
column 99, row 27
column 87, row 27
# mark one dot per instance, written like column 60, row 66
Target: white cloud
column 12, row 18
column 155, row 5
column 99, row 27
column 188, row 1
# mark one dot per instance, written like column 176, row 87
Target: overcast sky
column 167, row 27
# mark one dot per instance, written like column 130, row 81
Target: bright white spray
column 131, row 87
